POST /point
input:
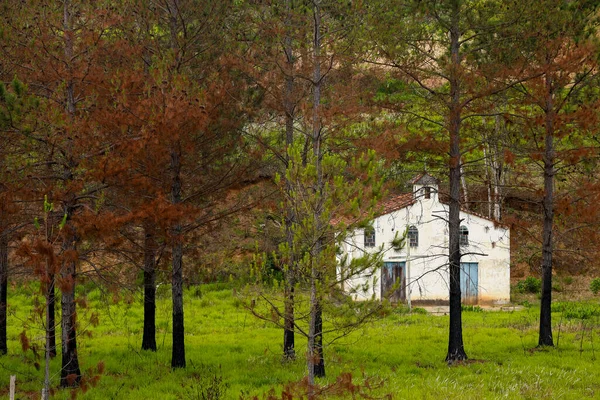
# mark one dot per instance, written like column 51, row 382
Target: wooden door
column 393, row 281
column 469, row 282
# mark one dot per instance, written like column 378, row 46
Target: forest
column 212, row 156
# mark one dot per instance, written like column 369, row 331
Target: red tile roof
column 397, row 202
column 401, row 201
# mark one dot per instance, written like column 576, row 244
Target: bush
column 568, row 280
column 595, row 285
column 526, row 304
column 471, row 308
column 556, row 287
column 529, row 285
column 572, row 310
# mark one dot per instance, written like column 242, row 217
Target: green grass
column 231, row 352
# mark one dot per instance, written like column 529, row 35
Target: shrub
column 568, row 280
column 529, row 285
column 556, row 287
column 595, row 285
column 572, row 310
column 526, row 304
column 401, row 309
column 471, row 308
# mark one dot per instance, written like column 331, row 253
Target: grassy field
column 233, row 355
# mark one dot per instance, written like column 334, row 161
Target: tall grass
column 231, row 354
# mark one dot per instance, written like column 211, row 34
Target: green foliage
column 399, row 242
column 63, row 221
column 320, row 189
column 206, row 384
column 403, row 309
column 271, row 273
column 526, row 304
column 47, row 205
column 595, row 285
column 568, row 280
column 18, row 87
column 530, row 285
column 573, row 310
column 556, row 287
column 471, row 308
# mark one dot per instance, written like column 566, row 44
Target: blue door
column 469, row 282
column 393, row 281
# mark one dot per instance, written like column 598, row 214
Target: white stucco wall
column 426, row 264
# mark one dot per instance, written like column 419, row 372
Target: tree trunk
column 545, row 334
column 488, row 177
column 497, row 170
column 314, row 358
column 49, row 347
column 315, row 335
column 51, row 315
column 178, row 355
column 463, row 183
column 149, row 335
column 50, row 290
column 319, row 364
column 456, row 351
column 289, row 352
column 3, row 290
column 70, row 372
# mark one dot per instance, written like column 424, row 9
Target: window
column 413, row 236
column 427, row 191
column 463, row 238
column 369, row 237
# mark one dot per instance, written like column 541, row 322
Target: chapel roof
column 397, row 202
column 424, row 179
column 401, row 201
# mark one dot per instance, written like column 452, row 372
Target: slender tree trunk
column 498, row 196
column 149, row 335
column 3, row 290
column 315, row 333
column 50, row 293
column 49, row 327
column 497, row 171
column 456, row 351
column 488, row 178
column 50, row 348
column 47, row 352
column 70, row 372
column 319, row 365
column 178, row 354
column 545, row 337
column 51, row 315
column 463, row 182
column 310, row 356
column 289, row 352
